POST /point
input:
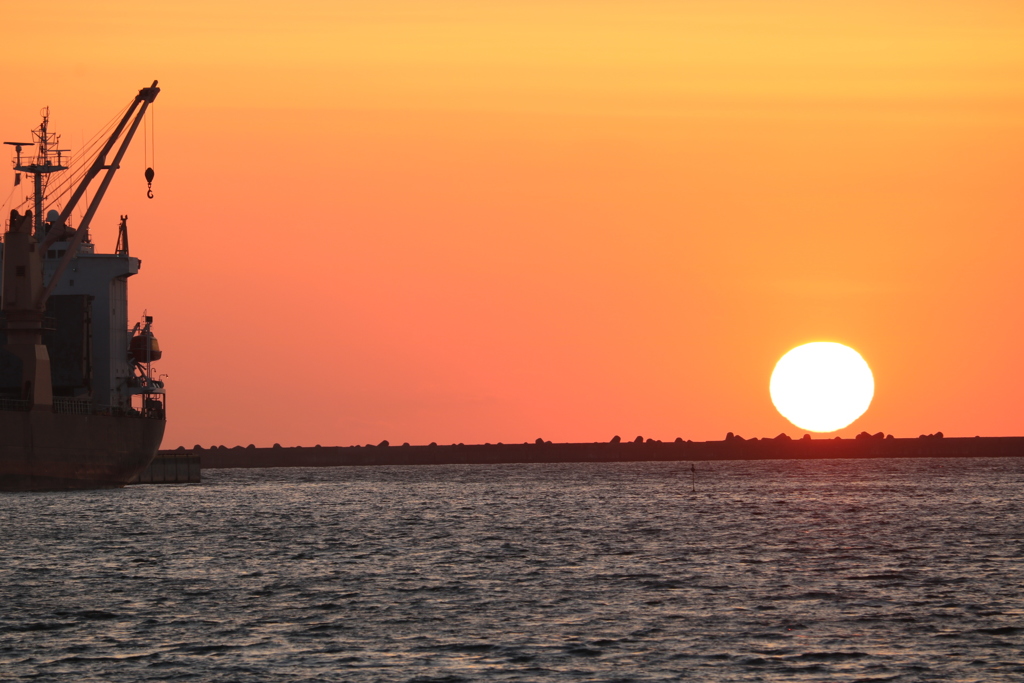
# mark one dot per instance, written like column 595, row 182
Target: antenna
column 17, row 149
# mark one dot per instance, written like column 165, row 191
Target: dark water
column 879, row 570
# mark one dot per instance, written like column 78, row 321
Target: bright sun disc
column 822, row 386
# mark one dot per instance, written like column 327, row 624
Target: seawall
column 630, row 451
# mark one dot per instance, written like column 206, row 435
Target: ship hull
column 45, row 451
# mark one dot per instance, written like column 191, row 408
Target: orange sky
column 496, row 221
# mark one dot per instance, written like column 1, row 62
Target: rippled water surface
column 844, row 570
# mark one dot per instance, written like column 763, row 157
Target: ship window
column 72, row 283
column 20, row 270
column 52, row 253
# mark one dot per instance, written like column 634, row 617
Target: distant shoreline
column 733, row 448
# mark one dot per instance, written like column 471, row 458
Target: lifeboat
column 144, row 348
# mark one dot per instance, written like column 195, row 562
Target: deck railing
column 72, row 406
column 65, row 405
column 13, row 404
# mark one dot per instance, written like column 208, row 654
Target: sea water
column 822, row 570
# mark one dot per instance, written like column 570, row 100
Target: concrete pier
column 175, row 467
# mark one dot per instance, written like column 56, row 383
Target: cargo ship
column 80, row 405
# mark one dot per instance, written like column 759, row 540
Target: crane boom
column 131, row 119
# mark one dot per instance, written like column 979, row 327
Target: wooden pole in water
column 693, row 472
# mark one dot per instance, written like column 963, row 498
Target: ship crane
column 24, row 293
column 131, row 119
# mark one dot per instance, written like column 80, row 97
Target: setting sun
column 822, row 386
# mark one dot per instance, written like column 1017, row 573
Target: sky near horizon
column 496, row 221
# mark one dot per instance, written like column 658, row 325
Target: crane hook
column 149, row 181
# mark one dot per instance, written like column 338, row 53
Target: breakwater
column 732, row 448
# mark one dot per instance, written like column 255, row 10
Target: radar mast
column 46, row 146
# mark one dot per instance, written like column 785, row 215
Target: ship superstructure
column 69, row 364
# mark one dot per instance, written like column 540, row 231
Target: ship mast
column 42, row 166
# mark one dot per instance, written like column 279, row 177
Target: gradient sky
column 496, row 221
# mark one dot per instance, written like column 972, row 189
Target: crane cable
column 77, row 163
column 149, row 143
